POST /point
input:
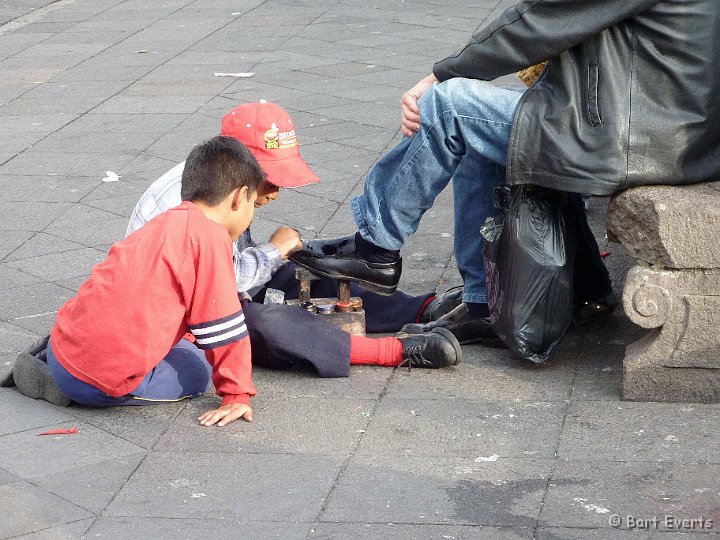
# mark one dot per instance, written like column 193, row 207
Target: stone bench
column 674, row 290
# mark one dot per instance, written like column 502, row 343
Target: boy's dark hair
column 216, row 167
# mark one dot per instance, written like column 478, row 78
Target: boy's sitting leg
column 183, row 373
column 282, row 336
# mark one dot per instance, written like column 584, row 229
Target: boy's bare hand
column 286, row 240
column 409, row 107
column 225, row 414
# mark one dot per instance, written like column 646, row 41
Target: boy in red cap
column 281, row 337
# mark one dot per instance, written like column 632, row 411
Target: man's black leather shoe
column 458, row 321
column 442, row 304
column 337, row 258
column 435, row 349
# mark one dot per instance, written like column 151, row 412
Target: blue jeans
column 183, row 373
column 463, row 137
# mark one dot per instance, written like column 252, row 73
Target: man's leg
column 463, row 122
column 465, row 129
column 382, row 313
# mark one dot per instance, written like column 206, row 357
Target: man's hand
column 409, row 107
column 286, row 240
column 225, row 414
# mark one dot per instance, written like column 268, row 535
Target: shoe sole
column 34, row 381
column 418, row 328
column 383, row 290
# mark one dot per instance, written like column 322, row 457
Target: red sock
column 386, row 351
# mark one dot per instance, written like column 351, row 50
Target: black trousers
column 282, row 336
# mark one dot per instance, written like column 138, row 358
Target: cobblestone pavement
column 128, row 86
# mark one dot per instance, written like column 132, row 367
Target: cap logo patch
column 276, row 139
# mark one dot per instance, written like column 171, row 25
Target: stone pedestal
column 674, row 290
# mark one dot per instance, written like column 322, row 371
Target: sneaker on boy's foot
column 33, row 379
column 434, row 349
column 38, row 349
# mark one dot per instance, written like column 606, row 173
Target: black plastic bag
column 529, row 257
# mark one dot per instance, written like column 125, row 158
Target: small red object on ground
column 61, row 431
column 604, row 254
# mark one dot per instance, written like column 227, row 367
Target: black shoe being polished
column 465, row 328
column 339, row 258
column 435, row 349
column 442, row 304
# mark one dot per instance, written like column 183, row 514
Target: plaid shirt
column 254, row 263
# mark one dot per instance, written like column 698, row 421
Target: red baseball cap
column 269, row 133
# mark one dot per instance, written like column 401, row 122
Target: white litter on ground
column 239, row 75
column 110, row 177
column 591, row 507
column 482, row 459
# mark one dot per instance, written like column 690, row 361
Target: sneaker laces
column 414, row 357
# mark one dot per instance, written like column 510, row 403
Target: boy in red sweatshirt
column 120, row 340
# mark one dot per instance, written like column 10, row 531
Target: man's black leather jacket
column 630, row 96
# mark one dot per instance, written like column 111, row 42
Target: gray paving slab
column 181, row 529
column 141, row 426
column 587, row 493
column 21, row 414
column 478, row 430
column 556, row 533
column 486, row 374
column 25, row 216
column 44, row 188
column 374, row 531
column 58, row 266
column 102, row 70
column 227, row 485
column 71, row 531
column 31, row 301
column 38, row 324
column 392, row 488
column 364, row 382
column 14, row 10
column 33, row 457
column 91, row 487
column 90, row 226
column 279, row 428
column 39, row 124
column 651, row 432
column 27, row 508
column 103, row 142
column 85, row 164
column 6, row 477
column 11, row 277
column 124, row 201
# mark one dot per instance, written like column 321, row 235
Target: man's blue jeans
column 463, row 137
